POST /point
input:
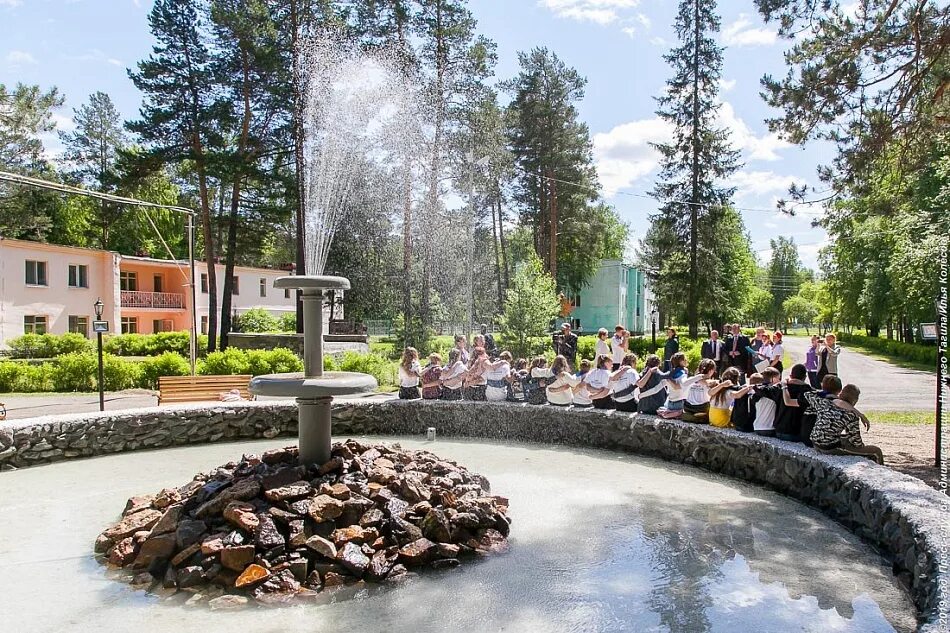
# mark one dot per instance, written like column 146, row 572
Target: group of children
column 791, row 410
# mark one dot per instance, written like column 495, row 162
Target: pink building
column 50, row 288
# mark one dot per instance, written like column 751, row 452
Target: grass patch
column 901, row 417
column 887, row 358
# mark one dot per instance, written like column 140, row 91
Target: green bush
column 255, row 362
column 48, row 345
column 282, row 360
column 23, row 378
column 168, row 364
column 287, row 322
column 256, row 320
column 380, row 367
column 75, row 372
column 912, row 352
column 119, row 373
column 229, row 362
column 153, row 344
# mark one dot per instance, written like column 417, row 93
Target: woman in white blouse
column 496, row 378
column 560, row 390
column 451, row 377
column 601, row 347
column 777, row 353
column 625, row 387
column 409, row 373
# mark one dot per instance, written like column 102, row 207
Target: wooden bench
column 173, row 389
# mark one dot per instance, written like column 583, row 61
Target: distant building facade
column 49, row 288
column 618, row 294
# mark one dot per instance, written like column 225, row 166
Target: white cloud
column 601, row 12
column 742, row 137
column 115, row 62
column 644, row 20
column 19, row 58
column 658, row 41
column 624, row 155
column 725, row 85
column 96, row 55
column 742, row 33
column 10, row 3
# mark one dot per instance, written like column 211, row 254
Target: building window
column 78, row 276
column 286, row 293
column 36, row 273
column 130, row 325
column 263, row 287
column 235, row 287
column 128, row 280
column 33, row 324
column 162, row 325
column 158, row 283
column 204, row 283
column 204, row 325
column 79, row 325
column 576, row 301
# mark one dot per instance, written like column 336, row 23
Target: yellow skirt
column 719, row 417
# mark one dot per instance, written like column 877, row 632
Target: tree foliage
column 530, row 305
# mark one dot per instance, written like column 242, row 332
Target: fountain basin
column 297, row 385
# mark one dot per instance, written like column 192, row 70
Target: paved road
column 22, row 406
column 884, row 387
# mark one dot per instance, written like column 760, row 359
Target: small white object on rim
column 430, row 434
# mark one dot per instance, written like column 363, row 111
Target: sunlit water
column 599, row 542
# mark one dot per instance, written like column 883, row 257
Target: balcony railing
column 164, row 300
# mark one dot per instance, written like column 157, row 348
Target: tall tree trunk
column 553, row 229
column 435, row 167
column 501, row 240
column 494, row 230
column 208, row 236
column 299, row 164
column 692, row 298
column 243, row 158
column 407, row 250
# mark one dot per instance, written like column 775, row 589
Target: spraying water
column 359, row 119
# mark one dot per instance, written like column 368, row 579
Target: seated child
column 625, row 385
column 431, row 386
column 838, row 429
column 696, row 408
column 677, row 384
column 451, row 376
column 581, row 391
column 539, row 376
column 516, row 381
column 652, row 387
column 743, row 412
column 496, row 378
column 765, row 399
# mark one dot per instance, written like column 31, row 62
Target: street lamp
column 653, row 315
column 97, row 327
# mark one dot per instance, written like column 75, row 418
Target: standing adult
column 672, row 346
column 828, row 357
column 601, row 346
column 461, row 344
column 811, row 363
column 736, row 355
column 619, row 345
column 778, row 353
column 490, row 347
column 565, row 344
column 714, row 350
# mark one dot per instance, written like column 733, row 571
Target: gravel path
column 884, row 387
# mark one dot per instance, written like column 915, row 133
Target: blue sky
column 86, row 45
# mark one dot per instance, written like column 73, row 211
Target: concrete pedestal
column 313, row 429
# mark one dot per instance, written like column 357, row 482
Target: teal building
column 617, row 294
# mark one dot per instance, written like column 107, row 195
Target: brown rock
column 372, row 518
column 289, row 492
column 282, row 516
column 382, row 462
column 353, row 558
column 189, row 532
column 166, row 497
column 322, row 546
column 212, row 544
column 103, row 543
column 154, row 548
column 335, row 464
column 492, row 541
column 332, row 579
column 298, row 567
column 405, row 532
column 228, row 602
column 123, row 552
column 340, row 491
column 278, row 455
column 144, row 519
column 185, row 554
column 435, row 526
column 280, row 582
column 241, row 515
column 266, row 534
column 383, row 475
column 135, row 504
column 282, row 477
column 241, row 490
column 251, row 575
column 325, row 508
column 313, row 581
column 419, row 552
column 447, row 550
column 352, row 533
column 297, row 536
column 237, row 558
column 190, row 576
column 379, row 566
column 169, row 520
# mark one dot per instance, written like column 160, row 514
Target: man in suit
column 714, row 350
column 736, row 354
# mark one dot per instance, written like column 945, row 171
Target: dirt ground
column 908, row 448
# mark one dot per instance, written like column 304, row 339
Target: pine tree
column 180, row 110
column 692, row 205
column 92, row 150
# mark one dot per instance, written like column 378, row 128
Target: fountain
column 314, row 388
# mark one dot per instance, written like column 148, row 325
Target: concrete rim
column 296, row 385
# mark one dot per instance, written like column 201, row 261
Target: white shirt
column 698, row 393
column 630, row 377
column 500, row 373
column 451, row 376
column 716, row 347
column 598, row 378
column 602, row 348
column 541, row 372
column 409, row 378
column 616, row 343
column 764, row 415
column 777, row 352
column 766, row 351
column 562, row 397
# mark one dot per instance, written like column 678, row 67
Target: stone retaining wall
column 906, row 520
column 333, row 344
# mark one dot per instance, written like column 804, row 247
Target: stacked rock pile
column 268, row 529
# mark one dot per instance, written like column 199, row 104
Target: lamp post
column 102, row 397
column 653, row 315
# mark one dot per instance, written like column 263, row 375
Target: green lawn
column 887, row 358
column 901, row 417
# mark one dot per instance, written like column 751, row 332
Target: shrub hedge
column 77, row 371
column 913, row 352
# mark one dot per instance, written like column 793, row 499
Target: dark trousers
column 813, row 380
column 603, row 403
